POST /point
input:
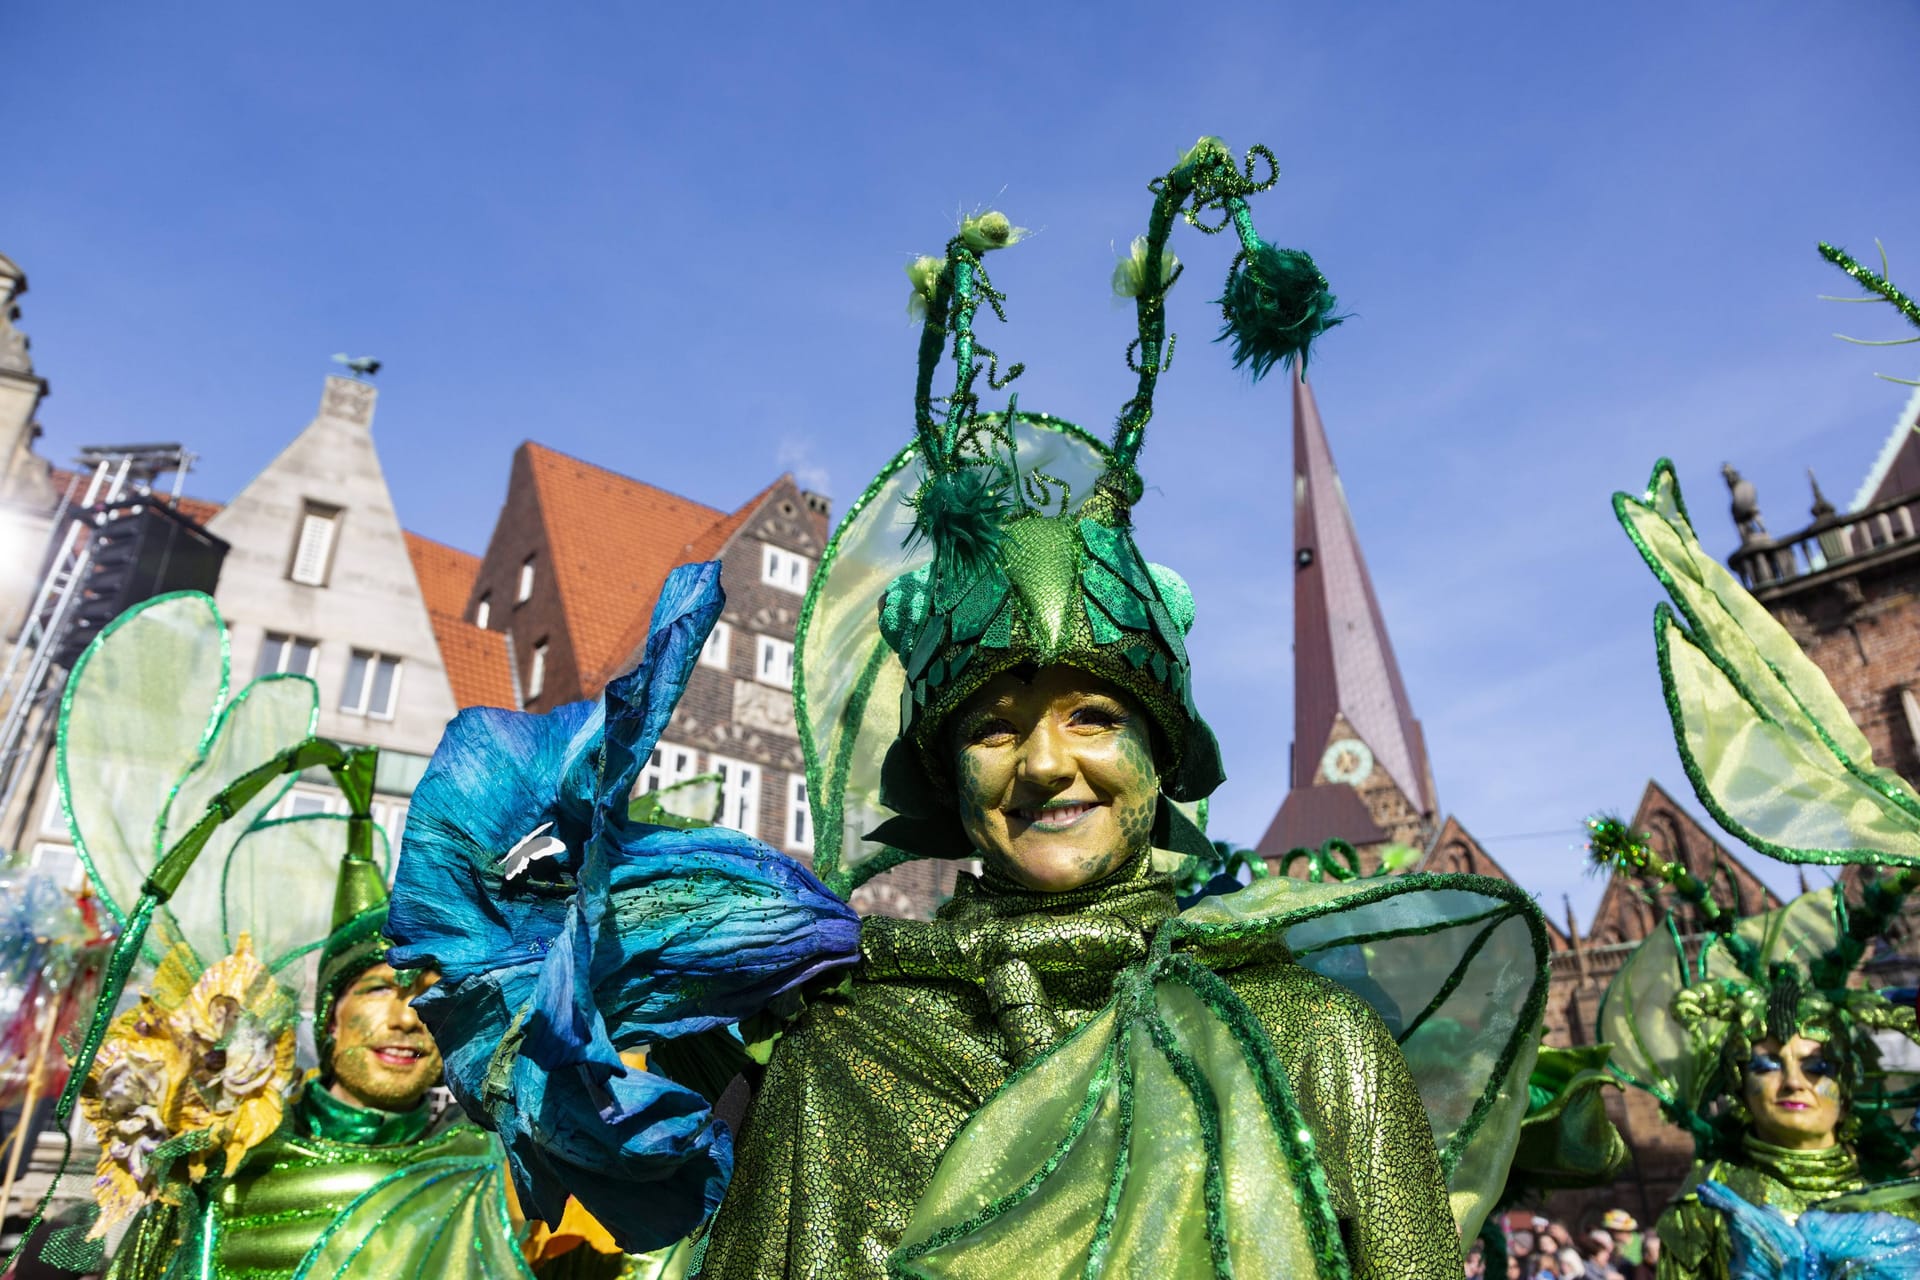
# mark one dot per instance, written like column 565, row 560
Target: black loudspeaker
column 140, row 549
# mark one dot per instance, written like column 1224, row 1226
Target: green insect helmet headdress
column 1021, row 526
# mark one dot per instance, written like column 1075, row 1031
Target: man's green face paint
column 382, row 1056
column 1055, row 776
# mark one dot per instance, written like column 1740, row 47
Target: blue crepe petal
column 1864, row 1246
column 632, row 934
column 492, row 781
column 708, row 927
column 1817, row 1246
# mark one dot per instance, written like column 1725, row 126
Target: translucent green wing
column 439, row 1218
column 847, row 681
column 1651, row 1050
column 147, row 739
column 278, row 885
column 1153, row 1140
column 139, row 708
column 1767, row 743
column 266, row 717
column 1455, row 965
column 1798, row 934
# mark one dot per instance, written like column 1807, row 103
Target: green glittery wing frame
column 147, row 738
column 1769, row 747
column 847, row 681
column 1162, row 1138
column 1456, row 966
column 445, row 1217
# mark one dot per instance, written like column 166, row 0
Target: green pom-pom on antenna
column 1613, row 845
column 962, row 515
column 1276, row 304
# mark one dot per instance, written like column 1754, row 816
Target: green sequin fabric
column 1694, row 1240
column 865, row 1095
column 297, row 1187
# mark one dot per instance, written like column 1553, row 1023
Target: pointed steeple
column 1360, row 767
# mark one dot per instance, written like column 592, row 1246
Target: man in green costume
column 363, row 1120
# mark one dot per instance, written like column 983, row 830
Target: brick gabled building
column 568, row 583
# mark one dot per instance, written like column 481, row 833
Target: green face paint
column 383, row 1057
column 1054, row 776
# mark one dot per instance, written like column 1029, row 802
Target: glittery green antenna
column 1880, row 289
column 968, row 491
column 1275, row 303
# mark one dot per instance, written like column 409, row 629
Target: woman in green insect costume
column 1755, row 1037
column 220, row 1159
column 1062, row 1074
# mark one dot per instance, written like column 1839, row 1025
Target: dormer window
column 313, row 549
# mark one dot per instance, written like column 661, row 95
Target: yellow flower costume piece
column 191, row 1078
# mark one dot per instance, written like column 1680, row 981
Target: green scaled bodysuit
column 863, row 1096
column 307, row 1182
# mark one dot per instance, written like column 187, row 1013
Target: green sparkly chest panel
column 294, row 1187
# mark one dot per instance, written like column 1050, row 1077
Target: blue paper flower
column 565, row 932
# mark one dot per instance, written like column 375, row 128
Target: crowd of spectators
column 1541, row 1249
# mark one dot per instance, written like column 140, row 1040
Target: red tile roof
column 707, row 546
column 478, row 664
column 613, row 540
column 446, row 574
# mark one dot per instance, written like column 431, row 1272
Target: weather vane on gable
column 359, row 366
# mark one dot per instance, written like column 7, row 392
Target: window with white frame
column 799, row 814
column 483, row 612
column 291, row 655
column 526, row 581
column 783, row 569
column 739, row 794
column 537, row 671
column 667, row 765
column 373, row 685
column 773, row 663
column 718, row 650
column 313, row 549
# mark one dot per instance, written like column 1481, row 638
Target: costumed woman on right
column 1753, row 1040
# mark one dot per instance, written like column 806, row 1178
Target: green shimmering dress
column 312, row 1180
column 863, row 1096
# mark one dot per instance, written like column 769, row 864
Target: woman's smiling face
column 1055, row 777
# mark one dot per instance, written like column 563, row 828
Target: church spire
column 1360, row 768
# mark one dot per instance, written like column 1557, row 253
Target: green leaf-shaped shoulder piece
column 445, row 1217
column 1155, row 1141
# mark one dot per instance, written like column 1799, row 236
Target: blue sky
column 1574, row 238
